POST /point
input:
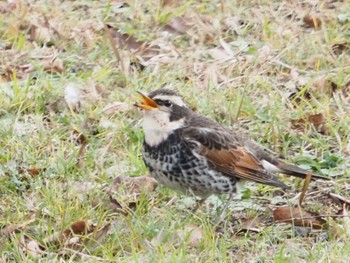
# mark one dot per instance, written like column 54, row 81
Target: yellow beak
column 147, row 103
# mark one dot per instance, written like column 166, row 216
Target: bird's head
column 164, row 111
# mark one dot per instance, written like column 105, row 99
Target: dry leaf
column 324, row 85
column 128, row 189
column 191, row 234
column 311, row 21
column 73, row 96
column 132, row 44
column 169, row 3
column 134, row 185
column 341, row 48
column 340, row 200
column 49, row 65
column 31, row 246
column 317, row 120
column 31, row 171
column 297, row 216
column 7, row 7
column 79, row 138
column 177, row 25
column 194, row 233
column 76, row 228
column 319, row 123
column 116, row 107
column 40, row 33
column 298, row 124
column 299, row 95
column 99, row 235
column 251, row 225
column 346, row 89
column 219, row 53
column 11, row 228
column 53, row 66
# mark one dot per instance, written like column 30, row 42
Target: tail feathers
column 297, row 171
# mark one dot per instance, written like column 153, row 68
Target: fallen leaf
column 177, row 25
column 132, row 44
column 31, row 171
column 319, row 123
column 297, row 216
column 73, row 96
column 128, row 189
column 169, row 3
column 76, row 228
column 12, row 228
column 193, row 234
column 9, row 6
column 54, row 65
column 312, row 21
column 40, row 34
column 31, row 246
column 79, row 138
column 346, row 89
column 116, row 107
column 340, row 200
column 298, row 96
column 317, row 120
column 28, row 171
column 251, row 225
column 134, row 185
column 323, row 85
column 219, row 53
column 340, row 48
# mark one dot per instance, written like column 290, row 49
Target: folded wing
column 225, row 154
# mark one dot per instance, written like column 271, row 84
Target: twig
column 305, row 186
column 240, row 103
column 114, row 46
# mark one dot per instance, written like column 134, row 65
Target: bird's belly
column 189, row 175
column 166, row 172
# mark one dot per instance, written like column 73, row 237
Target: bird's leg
column 221, row 217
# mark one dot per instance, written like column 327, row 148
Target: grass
column 239, row 63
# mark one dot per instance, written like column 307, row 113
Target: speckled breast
column 174, row 164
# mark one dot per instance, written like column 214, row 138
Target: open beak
column 147, row 103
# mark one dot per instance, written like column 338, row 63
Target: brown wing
column 226, row 155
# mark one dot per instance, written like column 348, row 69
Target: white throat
column 157, row 127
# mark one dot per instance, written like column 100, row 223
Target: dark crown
column 167, row 92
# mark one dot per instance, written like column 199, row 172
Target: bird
column 194, row 154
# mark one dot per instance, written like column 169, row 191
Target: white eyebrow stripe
column 173, row 98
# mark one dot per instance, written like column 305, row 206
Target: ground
column 277, row 71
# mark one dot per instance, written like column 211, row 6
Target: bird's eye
column 167, row 103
